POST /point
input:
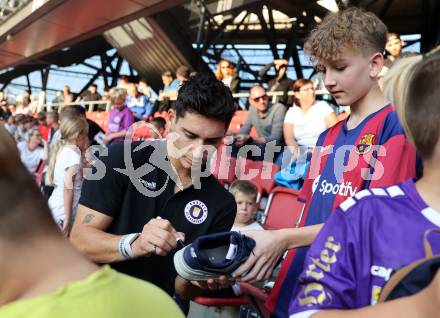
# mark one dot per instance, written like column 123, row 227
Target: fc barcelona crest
column 365, row 144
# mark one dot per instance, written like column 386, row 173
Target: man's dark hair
column 23, row 211
column 167, row 74
column 207, row 96
column 94, row 85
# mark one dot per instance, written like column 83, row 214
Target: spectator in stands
column 43, row 276
column 42, row 125
column 120, row 117
column 182, row 74
column 123, row 82
column 25, row 98
column 227, row 74
column 33, row 150
column 2, row 99
column 20, row 134
column 267, row 119
column 33, row 104
column 170, row 85
column 394, row 48
column 145, row 214
column 58, row 99
column 245, row 194
column 4, row 106
column 67, row 94
column 90, row 95
column 278, row 82
column 161, row 125
column 12, row 108
column 303, row 124
column 65, row 171
column 106, row 93
column 138, row 103
column 10, row 125
column 145, row 89
column 53, row 122
column 96, row 133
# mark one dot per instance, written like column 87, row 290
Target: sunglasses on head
column 257, row 99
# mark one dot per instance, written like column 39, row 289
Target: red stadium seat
column 283, row 209
column 223, row 168
column 220, row 302
column 261, row 173
column 238, row 120
column 142, row 132
column 101, row 118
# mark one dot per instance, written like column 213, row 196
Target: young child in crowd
column 65, row 171
column 120, row 117
column 245, row 194
column 381, row 230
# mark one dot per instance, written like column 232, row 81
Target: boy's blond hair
column 396, row 83
column 352, row 28
column 245, row 187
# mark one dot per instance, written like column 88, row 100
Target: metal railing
column 90, row 106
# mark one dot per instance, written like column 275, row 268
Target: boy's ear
column 376, row 64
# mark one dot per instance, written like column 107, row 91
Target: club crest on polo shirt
column 196, row 212
column 150, row 185
column 365, row 144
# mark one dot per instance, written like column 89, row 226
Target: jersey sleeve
column 328, row 280
column 104, row 192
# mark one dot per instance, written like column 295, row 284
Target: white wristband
column 125, row 245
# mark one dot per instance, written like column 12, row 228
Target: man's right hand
column 158, row 237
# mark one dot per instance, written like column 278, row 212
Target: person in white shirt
column 245, row 194
column 307, row 118
column 65, row 171
column 31, row 152
column 303, row 123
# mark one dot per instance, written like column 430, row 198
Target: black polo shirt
column 148, row 193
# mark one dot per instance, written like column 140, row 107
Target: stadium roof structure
column 156, row 35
